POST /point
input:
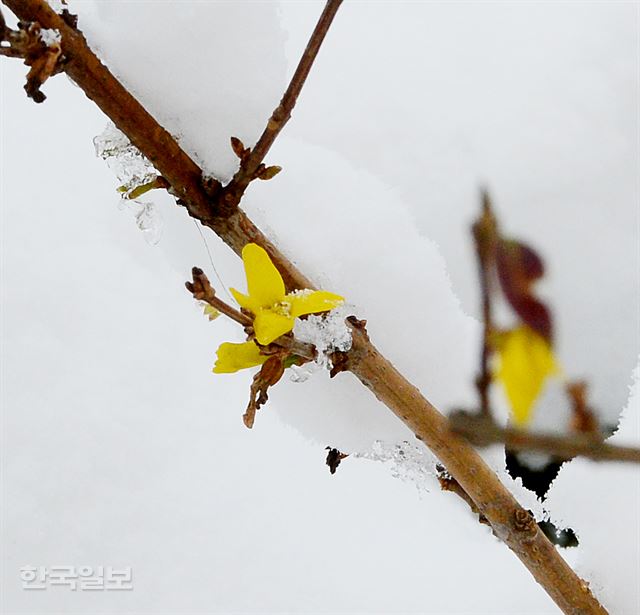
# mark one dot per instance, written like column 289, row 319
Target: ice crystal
column 50, row 36
column 147, row 218
column 327, row 332
column 130, row 166
column 302, row 373
column 133, row 170
column 408, row 462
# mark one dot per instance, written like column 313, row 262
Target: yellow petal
column 269, row 325
column 233, row 357
column 264, row 282
column 310, row 302
column 244, row 301
column 525, row 362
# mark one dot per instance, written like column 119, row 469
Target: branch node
column 211, row 186
column 524, row 521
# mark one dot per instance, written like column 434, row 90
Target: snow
column 57, row 5
column 536, row 101
column 406, row 113
column 396, row 281
column 50, row 36
column 121, row 448
column 409, row 462
column 228, row 52
column 328, row 333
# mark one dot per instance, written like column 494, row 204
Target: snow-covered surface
column 205, row 70
column 119, row 445
column 535, row 100
column 397, row 281
column 121, row 448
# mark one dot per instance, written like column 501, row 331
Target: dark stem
column 484, row 237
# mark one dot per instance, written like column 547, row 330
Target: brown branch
column 463, row 463
column 251, row 166
column 482, row 432
column 492, row 499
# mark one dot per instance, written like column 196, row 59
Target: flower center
column 283, row 308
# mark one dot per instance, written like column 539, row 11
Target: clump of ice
column 415, row 463
column 133, row 170
column 302, row 373
column 130, row 166
column 412, row 463
column 327, row 332
column 147, row 217
column 50, row 36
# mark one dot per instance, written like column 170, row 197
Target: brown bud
column 269, row 172
column 238, row 148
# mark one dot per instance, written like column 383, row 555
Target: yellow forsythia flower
column 526, row 360
column 275, row 312
column 233, row 357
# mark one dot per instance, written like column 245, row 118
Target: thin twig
column 484, row 233
column 448, row 483
column 493, row 500
column 202, row 290
column 251, row 165
column 482, row 432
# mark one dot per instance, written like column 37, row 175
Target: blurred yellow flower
column 526, row 360
column 274, row 311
